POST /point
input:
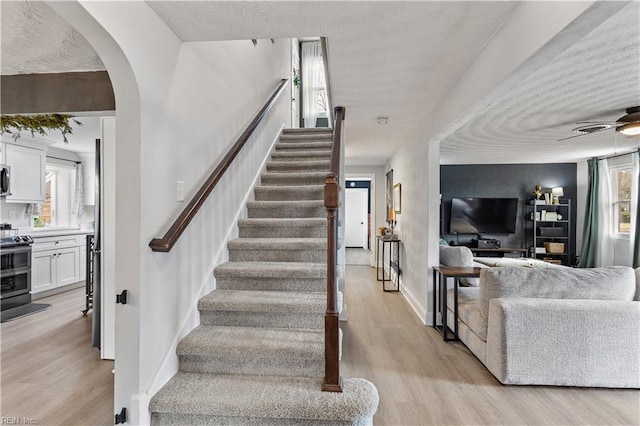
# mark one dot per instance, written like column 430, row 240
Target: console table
column 394, row 261
column 440, row 275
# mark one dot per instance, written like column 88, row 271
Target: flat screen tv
column 483, row 215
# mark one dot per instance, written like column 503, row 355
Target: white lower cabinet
column 55, row 262
column 43, row 270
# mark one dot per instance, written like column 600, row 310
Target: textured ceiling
column 37, row 40
column 595, row 79
column 394, row 59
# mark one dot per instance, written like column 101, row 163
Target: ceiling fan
column 628, row 125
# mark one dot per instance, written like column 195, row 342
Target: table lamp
column 557, row 193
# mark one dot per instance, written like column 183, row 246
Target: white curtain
column 635, row 161
column 312, row 81
column 606, row 242
column 78, row 198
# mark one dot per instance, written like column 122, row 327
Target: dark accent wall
column 505, row 181
column 63, row 92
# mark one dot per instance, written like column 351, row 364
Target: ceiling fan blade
column 571, row 137
column 598, row 122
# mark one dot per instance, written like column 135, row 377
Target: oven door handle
column 13, row 272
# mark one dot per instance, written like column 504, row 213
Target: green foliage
column 14, row 124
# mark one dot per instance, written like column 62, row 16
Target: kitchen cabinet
column 28, row 172
column 56, row 262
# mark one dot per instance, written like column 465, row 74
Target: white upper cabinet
column 28, row 171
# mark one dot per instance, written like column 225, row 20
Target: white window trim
column 621, row 166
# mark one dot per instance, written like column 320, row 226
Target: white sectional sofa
column 554, row 326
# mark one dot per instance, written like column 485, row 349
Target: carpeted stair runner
column 258, row 356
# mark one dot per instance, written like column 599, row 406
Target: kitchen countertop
column 57, row 232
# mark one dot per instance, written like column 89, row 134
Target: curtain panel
column 588, row 257
column 635, row 231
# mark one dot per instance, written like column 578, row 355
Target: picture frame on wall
column 397, row 198
column 389, row 196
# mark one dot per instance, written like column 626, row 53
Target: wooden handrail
column 332, row 381
column 169, row 239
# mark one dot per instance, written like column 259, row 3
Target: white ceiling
column 395, row 59
column 595, row 79
column 37, row 40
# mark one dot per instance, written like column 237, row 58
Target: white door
column 355, row 224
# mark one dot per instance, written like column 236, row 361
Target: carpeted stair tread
column 282, row 227
column 253, row 342
column 320, row 137
column 289, row 192
column 285, row 203
column 278, row 250
column 299, row 166
column 278, row 244
column 285, row 208
column 265, row 397
column 263, row 301
column 300, row 155
column 277, row 222
column 270, row 270
column 306, row 131
column 323, row 147
column 294, row 178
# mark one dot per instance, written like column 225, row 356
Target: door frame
column 366, row 192
column 372, row 179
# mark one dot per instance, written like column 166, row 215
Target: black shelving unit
column 547, row 228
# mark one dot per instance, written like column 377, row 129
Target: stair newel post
column 332, row 381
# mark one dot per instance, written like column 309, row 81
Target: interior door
column 355, row 224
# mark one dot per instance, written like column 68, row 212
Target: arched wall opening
column 127, row 195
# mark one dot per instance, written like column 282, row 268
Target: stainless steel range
column 15, row 272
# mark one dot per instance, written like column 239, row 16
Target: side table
column 440, row 275
column 394, row 261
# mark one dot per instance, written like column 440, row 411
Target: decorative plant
column 296, row 78
column 14, row 124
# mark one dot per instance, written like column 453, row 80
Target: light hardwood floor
column 50, row 372
column 52, row 375
column 424, row 381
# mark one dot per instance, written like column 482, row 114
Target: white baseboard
column 415, row 304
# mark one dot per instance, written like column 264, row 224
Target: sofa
column 554, row 326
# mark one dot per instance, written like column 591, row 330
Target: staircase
column 258, row 356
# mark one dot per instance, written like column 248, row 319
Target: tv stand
column 499, row 252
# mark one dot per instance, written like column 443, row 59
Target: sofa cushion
column 613, row 283
column 525, row 262
column 458, row 256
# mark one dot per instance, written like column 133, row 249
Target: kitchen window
column 56, row 210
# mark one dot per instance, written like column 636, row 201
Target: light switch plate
column 179, row 190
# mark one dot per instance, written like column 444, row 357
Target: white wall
column 178, row 107
column 417, row 168
column 513, row 53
